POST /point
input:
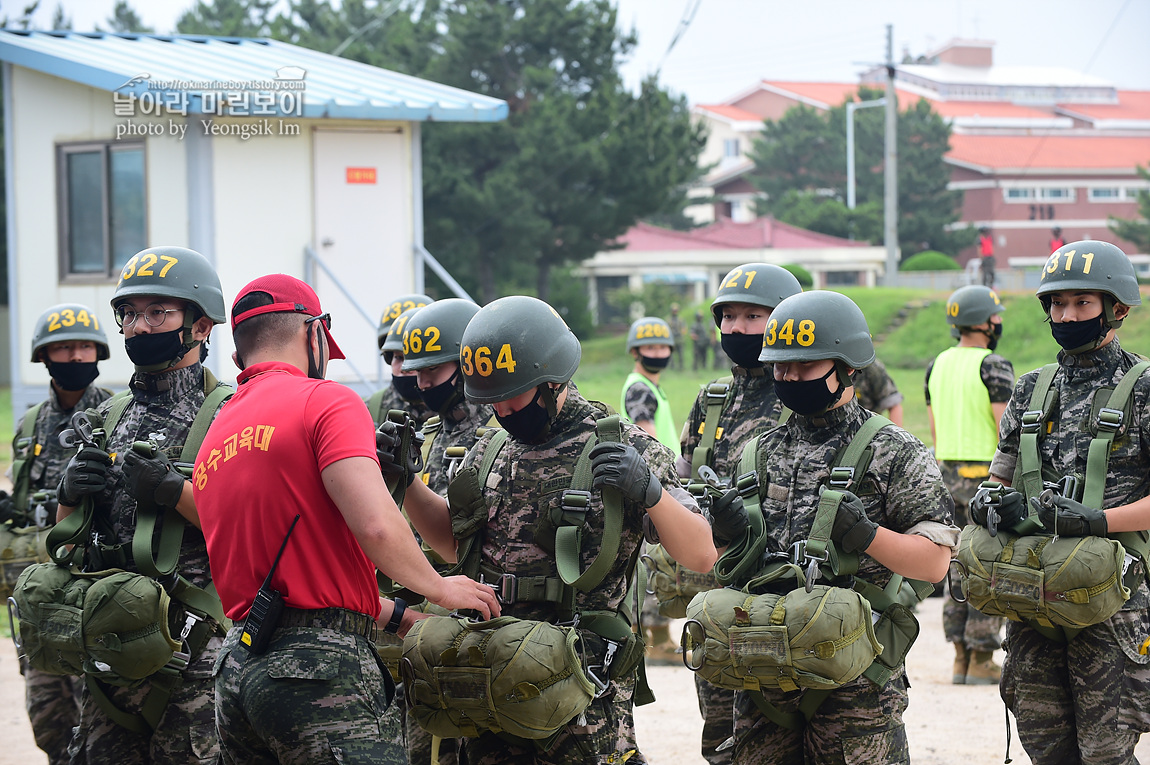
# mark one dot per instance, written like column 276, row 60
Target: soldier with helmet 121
column 166, row 302
column 69, row 340
column 895, row 515
column 1081, row 695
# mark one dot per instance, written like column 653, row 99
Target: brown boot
column 983, row 670
column 961, row 663
column 661, row 647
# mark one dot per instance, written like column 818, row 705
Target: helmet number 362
column 477, row 361
column 1052, row 265
column 786, row 333
column 144, row 264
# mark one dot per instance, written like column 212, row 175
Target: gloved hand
column 621, row 467
column 729, row 518
column 388, row 439
column 86, row 474
column 1011, row 508
column 852, row 531
column 1067, row 518
column 152, row 479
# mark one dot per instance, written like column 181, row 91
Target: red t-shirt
column 985, row 245
column 259, row 465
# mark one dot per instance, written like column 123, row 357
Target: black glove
column 152, row 479
column 729, row 518
column 388, row 439
column 1010, row 508
column 852, row 531
column 1067, row 518
column 8, row 509
column 621, row 467
column 86, row 474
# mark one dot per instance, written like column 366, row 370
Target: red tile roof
column 829, row 93
column 1077, row 152
column 983, row 109
column 1132, row 105
column 725, row 234
column 731, row 112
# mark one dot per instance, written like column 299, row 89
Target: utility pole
column 890, row 162
column 852, row 107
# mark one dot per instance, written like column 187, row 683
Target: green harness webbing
column 849, row 466
column 25, row 450
column 155, row 560
column 1028, row 471
column 375, row 407
column 716, row 398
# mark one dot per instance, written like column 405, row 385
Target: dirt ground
column 946, row 724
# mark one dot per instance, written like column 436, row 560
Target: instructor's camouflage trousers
column 962, row 623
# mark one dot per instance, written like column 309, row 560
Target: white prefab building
column 263, row 156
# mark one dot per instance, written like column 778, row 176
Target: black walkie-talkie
column 264, row 616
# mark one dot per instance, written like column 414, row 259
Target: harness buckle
column 841, row 477
column 1110, row 420
column 813, row 573
column 508, row 589
column 747, row 484
column 717, row 391
column 1031, row 421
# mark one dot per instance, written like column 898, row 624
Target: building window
column 1018, row 195
column 102, row 207
column 841, row 279
column 1057, row 194
column 1105, row 195
column 1048, row 194
column 731, row 148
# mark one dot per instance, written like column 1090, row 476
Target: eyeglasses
column 154, row 315
column 324, row 317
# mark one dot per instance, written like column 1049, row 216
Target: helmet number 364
column 477, row 361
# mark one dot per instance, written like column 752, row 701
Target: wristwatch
column 396, row 616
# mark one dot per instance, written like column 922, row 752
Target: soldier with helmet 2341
column 70, row 341
column 510, row 510
column 166, row 302
column 967, row 388
column 893, row 512
column 1074, row 450
column 403, row 393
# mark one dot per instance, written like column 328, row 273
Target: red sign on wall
column 361, row 175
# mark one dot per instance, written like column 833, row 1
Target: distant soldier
column 876, row 391
column 1057, row 240
column 643, row 401
column 967, row 388
column 678, row 334
column 986, row 253
column 403, row 393
column 701, row 337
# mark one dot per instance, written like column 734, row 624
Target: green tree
column 60, row 20
column 1137, row 230
column 124, row 19
column 800, row 165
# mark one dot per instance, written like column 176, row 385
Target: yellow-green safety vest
column 664, row 423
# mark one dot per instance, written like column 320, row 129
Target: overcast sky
column 731, row 44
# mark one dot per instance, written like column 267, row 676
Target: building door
column 363, row 234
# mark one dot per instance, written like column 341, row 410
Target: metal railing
column 310, row 262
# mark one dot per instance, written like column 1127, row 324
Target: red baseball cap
column 289, row 295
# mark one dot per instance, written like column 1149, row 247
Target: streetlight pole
column 890, row 155
column 852, row 107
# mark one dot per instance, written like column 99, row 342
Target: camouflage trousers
column 857, row 723
column 603, row 734
column 185, row 734
column 53, row 704
column 717, row 706
column 317, row 695
column 1083, row 702
column 962, row 623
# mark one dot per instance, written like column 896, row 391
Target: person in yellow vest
column 642, row 401
column 967, row 388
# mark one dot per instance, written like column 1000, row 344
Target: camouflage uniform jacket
column 1063, row 449
column 48, row 466
column 526, row 485
column 874, row 388
column 392, row 400
column 751, row 408
column 901, row 490
column 165, row 417
column 641, row 403
column 458, row 429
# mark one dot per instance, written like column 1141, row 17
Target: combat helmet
column 514, row 344
column 650, row 330
column 68, row 321
column 432, row 335
column 178, row 273
column 395, row 308
column 394, row 340
column 818, row 325
column 1094, row 266
column 971, row 305
column 755, row 283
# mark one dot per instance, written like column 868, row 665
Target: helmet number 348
column 804, row 337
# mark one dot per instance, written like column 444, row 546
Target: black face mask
column 807, row 397
column 744, row 350
column 407, row 386
column 993, row 335
column 530, row 425
column 73, row 375
column 652, row 364
column 1075, row 334
column 444, row 396
column 156, row 348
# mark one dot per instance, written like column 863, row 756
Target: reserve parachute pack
column 773, row 627
column 514, row 677
column 1057, row 585
column 117, row 627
